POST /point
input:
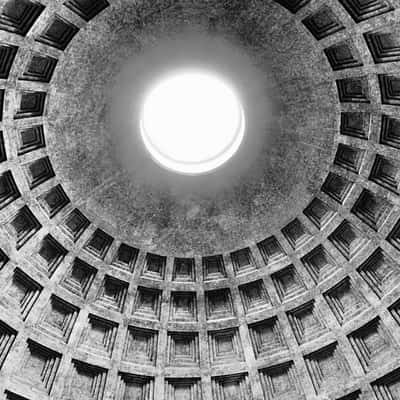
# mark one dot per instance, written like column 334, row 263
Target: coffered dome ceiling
column 275, row 277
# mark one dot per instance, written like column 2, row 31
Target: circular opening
column 192, row 122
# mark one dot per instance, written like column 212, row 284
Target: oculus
column 192, row 122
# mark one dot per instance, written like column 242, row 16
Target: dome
column 271, row 274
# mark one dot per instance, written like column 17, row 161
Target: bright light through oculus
column 192, row 122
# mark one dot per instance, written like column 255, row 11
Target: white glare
column 192, row 122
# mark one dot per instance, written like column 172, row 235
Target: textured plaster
column 164, row 212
